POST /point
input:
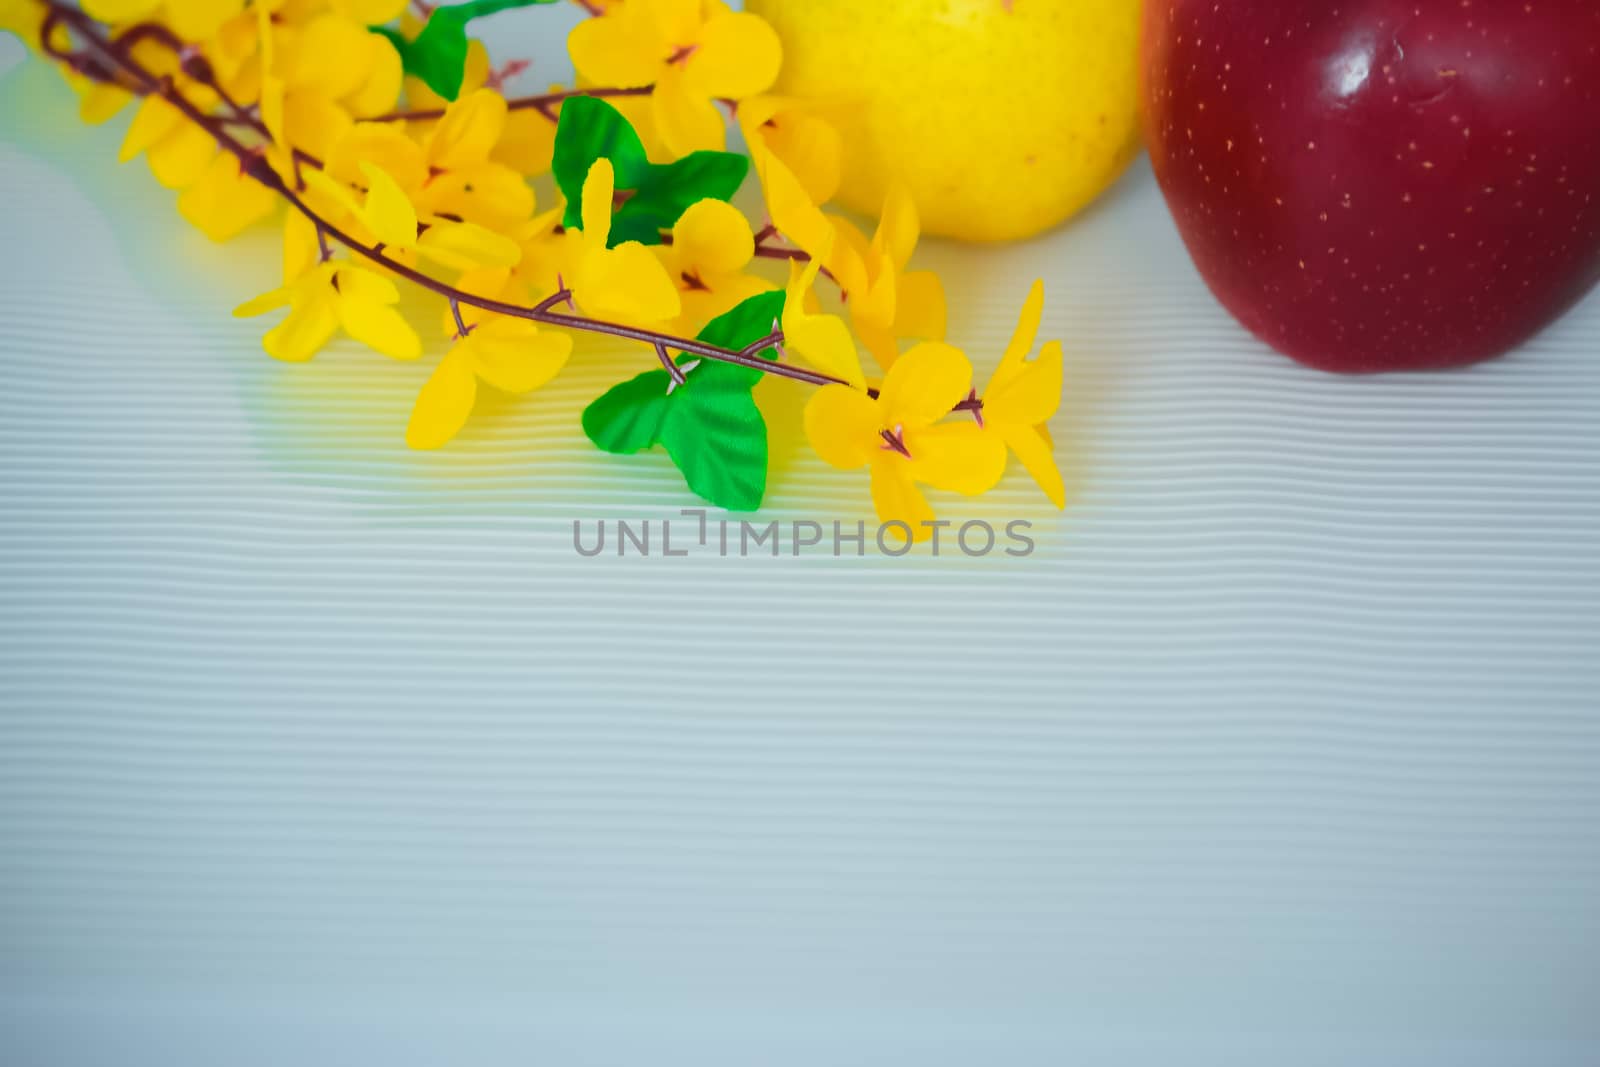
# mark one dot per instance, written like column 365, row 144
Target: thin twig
column 253, row 163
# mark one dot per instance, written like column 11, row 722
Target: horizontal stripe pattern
column 1289, row 725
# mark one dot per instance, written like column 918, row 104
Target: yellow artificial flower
column 1022, row 396
column 177, row 149
column 193, row 20
column 899, row 437
column 537, row 274
column 370, row 12
column 796, row 132
column 98, row 101
column 462, row 178
column 886, row 301
column 528, row 141
column 224, row 200
column 511, row 354
column 692, row 52
column 711, row 247
column 320, row 76
column 626, row 283
column 25, row 18
column 822, row 340
column 388, row 214
column 326, row 298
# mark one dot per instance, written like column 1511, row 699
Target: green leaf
column 710, row 425
column 751, row 320
column 718, row 439
column 438, row 54
column 628, row 418
column 670, row 189
column 592, row 129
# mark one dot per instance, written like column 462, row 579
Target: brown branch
column 253, row 164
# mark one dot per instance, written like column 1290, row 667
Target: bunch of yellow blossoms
column 386, row 143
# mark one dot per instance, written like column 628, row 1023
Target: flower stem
column 115, row 57
column 254, row 165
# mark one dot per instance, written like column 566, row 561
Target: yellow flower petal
column 599, row 187
column 380, row 91
column 465, row 245
column 1030, row 395
column 924, row 384
column 366, row 284
column 848, row 256
column 197, row 20
column 101, row 102
column 686, row 119
column 153, row 122
column 330, row 56
column 303, row 331
column 313, row 122
column 489, row 194
column 514, row 356
column 822, row 340
column 808, row 145
column 25, row 18
column 878, row 340
column 330, row 194
column 1021, row 343
column 179, row 159
column 627, row 283
column 843, row 426
column 713, row 237
column 898, row 226
column 120, row 11
column 300, row 248
column 676, row 22
column 1033, row 449
column 919, row 306
column 468, row 131
column 896, row 498
column 958, row 456
column 615, row 50
column 378, row 326
column 528, row 143
column 874, row 304
column 388, row 213
column 370, row 12
column 444, row 403
column 271, row 106
column 792, row 211
column 271, row 300
column 737, row 55
column 224, row 201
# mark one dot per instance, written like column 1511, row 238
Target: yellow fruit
column 1003, row 117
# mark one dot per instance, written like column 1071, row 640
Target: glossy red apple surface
column 1375, row 185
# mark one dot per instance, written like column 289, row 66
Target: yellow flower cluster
column 243, row 105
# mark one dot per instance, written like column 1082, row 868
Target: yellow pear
column 1003, row 117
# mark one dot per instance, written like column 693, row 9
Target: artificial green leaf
column 673, row 187
column 710, row 425
column 628, row 417
column 718, row 439
column 592, row 129
column 751, row 320
column 438, row 54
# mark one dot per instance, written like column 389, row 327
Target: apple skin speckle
column 1381, row 185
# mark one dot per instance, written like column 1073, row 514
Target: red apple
column 1375, row 185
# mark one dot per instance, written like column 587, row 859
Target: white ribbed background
column 1284, row 748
